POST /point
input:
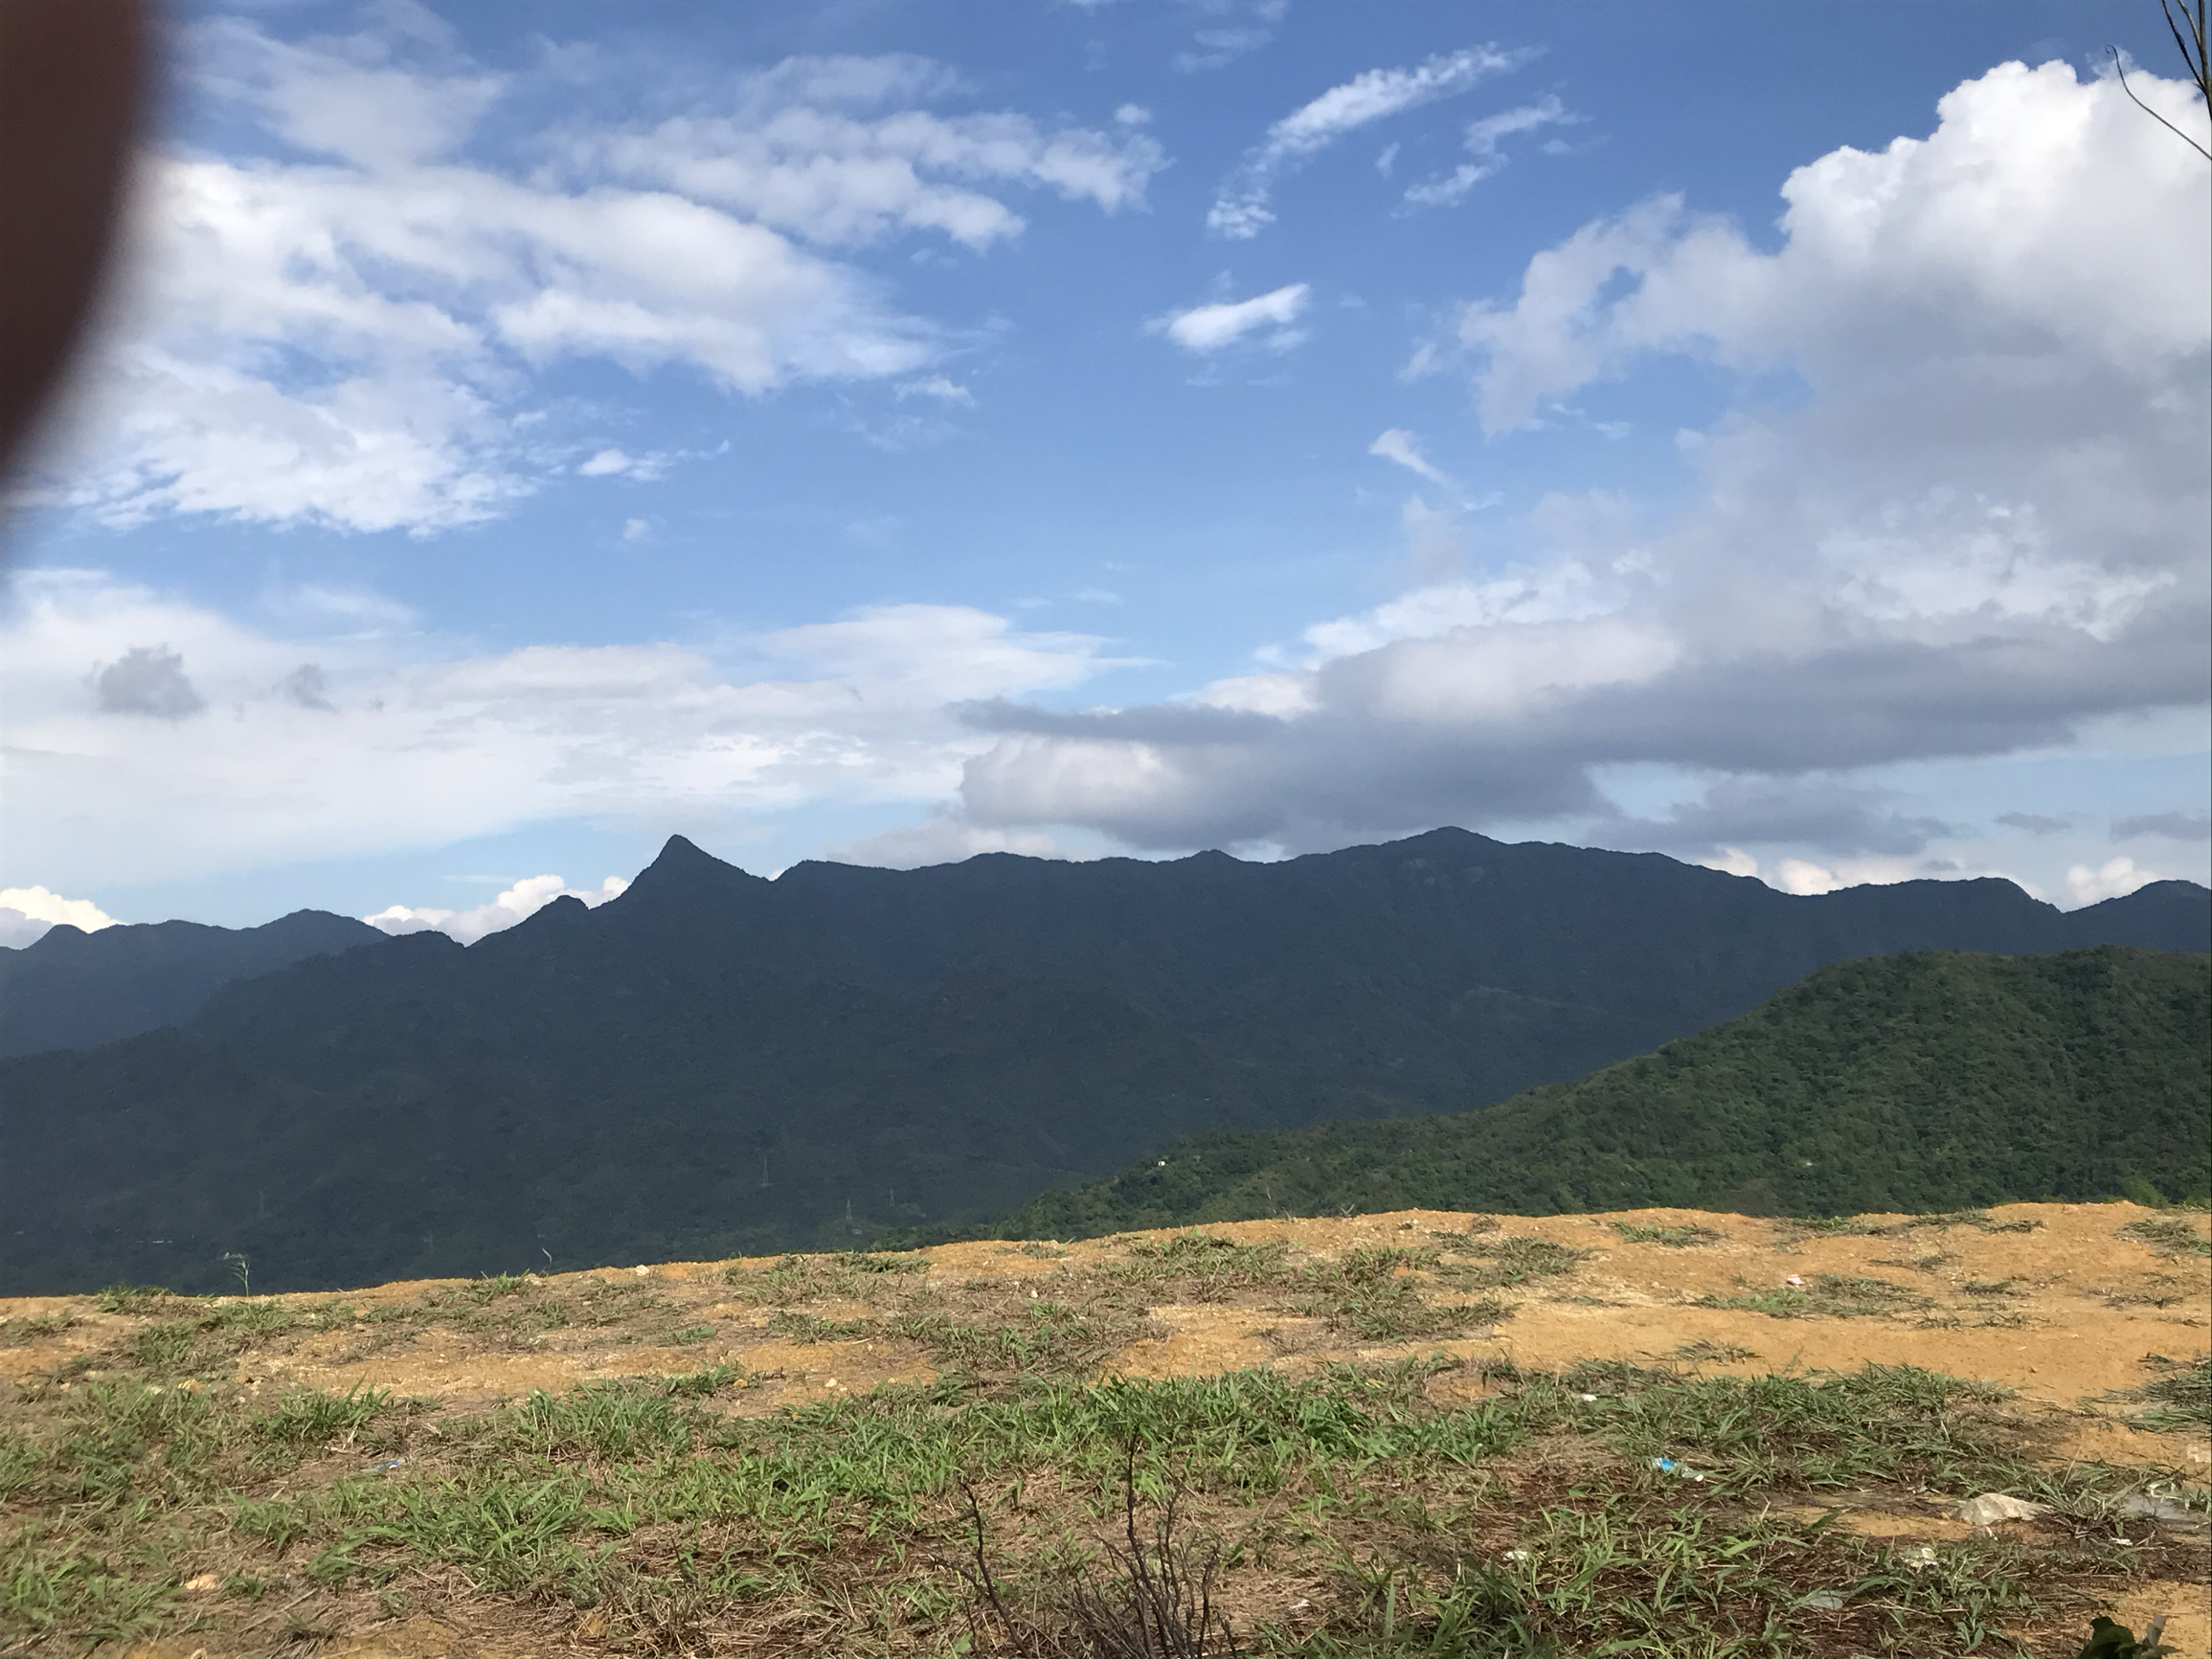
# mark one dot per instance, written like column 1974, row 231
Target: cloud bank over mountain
column 1974, row 526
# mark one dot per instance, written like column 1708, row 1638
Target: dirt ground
column 2061, row 1302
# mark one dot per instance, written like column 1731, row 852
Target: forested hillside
column 1930, row 1081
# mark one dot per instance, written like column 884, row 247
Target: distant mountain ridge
column 70, row 988
column 1929, row 1081
column 715, row 1062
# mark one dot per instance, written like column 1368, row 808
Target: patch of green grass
column 1801, row 1227
column 493, row 1285
column 1822, row 1296
column 686, row 1335
column 1885, row 1424
column 1674, row 1238
column 881, row 1261
column 1042, row 1337
column 130, row 1298
column 813, row 1328
column 2167, row 1236
column 697, row 1384
column 1203, row 1266
column 1703, row 1351
column 1504, row 1261
column 55, row 1583
column 305, row 1417
column 1369, row 1295
column 33, row 1328
column 2179, row 1396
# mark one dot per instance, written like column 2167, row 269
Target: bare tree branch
column 2122, row 68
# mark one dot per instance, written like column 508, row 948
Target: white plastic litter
column 1795, row 1279
column 2161, row 1509
column 1824, row 1601
column 1994, row 1507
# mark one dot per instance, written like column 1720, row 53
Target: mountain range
column 715, row 1062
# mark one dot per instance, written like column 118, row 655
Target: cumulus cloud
column 1267, row 317
column 525, row 899
column 1486, row 144
column 2113, row 878
column 344, row 331
column 26, row 913
column 1243, row 206
column 1977, row 529
column 407, row 740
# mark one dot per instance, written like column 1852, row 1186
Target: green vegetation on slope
column 1930, row 1081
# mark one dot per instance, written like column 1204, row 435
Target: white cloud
column 2004, row 233
column 1979, row 532
column 412, row 741
column 1207, row 328
column 820, row 149
column 620, row 463
column 525, row 899
column 2116, row 878
column 942, row 840
column 1401, row 446
column 346, row 332
column 1485, row 141
column 26, row 913
column 1243, row 208
column 940, row 389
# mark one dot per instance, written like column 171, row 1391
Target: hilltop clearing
column 1422, row 1432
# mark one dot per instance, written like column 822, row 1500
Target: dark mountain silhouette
column 714, row 1062
column 1932, row 1080
column 70, row 989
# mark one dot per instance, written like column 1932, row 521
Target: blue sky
column 891, row 431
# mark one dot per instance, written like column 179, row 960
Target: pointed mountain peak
column 682, row 867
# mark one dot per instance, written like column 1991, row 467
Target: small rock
column 643, row 1272
column 1991, row 1508
column 202, row 1584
